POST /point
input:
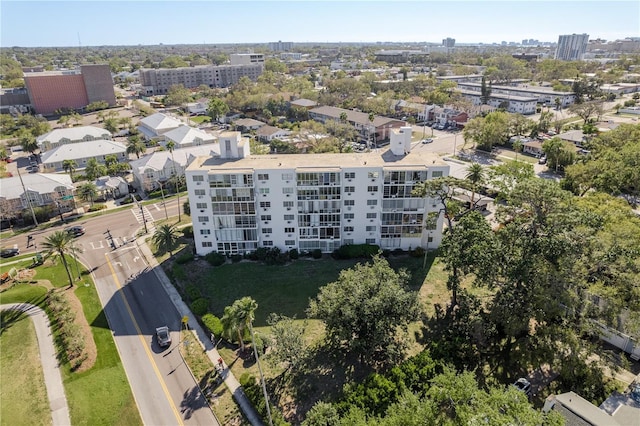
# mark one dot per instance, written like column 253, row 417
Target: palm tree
column 60, row 243
column 343, row 117
column 517, row 147
column 88, row 192
column 69, row 166
column 136, row 146
column 475, row 175
column 165, row 238
column 170, row 146
column 94, row 170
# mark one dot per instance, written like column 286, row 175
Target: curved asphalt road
column 50, row 366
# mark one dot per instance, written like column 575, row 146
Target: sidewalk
column 50, row 366
column 229, row 379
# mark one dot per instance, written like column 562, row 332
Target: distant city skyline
column 97, row 23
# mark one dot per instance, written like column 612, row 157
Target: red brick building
column 49, row 91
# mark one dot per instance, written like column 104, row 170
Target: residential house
column 58, row 137
column 445, row 115
column 576, row 137
column 35, row 189
column 112, row 186
column 161, row 165
column 269, row 133
column 156, row 125
column 81, row 152
column 240, row 202
column 532, row 147
column 578, row 411
column 186, row 136
column 303, row 103
column 246, row 125
column 199, row 107
column 381, row 126
column 525, row 105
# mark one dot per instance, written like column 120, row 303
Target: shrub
column 293, row 254
column 215, row 259
column 186, row 209
column 236, row 258
column 127, row 200
column 187, row 231
column 184, row 258
column 193, row 292
column 200, row 306
column 178, row 272
column 212, row 323
column 352, row 251
column 418, row 252
column 398, row 252
column 97, row 207
column 316, row 254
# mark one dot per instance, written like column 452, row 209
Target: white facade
column 246, row 58
column 572, row 47
column 58, row 137
column 320, row 201
column 81, row 152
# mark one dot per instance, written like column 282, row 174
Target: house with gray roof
column 381, row 126
column 39, row 189
column 269, row 133
column 186, row 136
column 81, row 152
column 58, row 137
column 304, row 103
column 156, row 125
column 160, row 165
column 248, row 124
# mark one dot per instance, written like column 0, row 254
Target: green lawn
column 200, row 119
column 52, row 270
column 19, row 384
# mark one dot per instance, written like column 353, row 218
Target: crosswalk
column 139, row 215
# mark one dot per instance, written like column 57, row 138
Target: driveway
column 50, row 366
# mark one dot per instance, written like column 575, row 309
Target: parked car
column 75, row 231
column 523, row 385
column 9, row 252
column 542, row 160
column 164, row 336
column 428, row 140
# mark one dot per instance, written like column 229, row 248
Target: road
column 135, row 303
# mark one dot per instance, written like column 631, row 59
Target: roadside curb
column 229, row 379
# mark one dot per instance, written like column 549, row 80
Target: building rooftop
column 73, row 134
column 160, row 121
column 157, row 160
column 42, row 183
column 80, row 150
column 187, row 134
column 417, row 160
column 361, row 118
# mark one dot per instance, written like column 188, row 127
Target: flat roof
column 417, row 160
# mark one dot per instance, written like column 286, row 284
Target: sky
column 97, row 23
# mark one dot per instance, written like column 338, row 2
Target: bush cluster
column 200, row 306
column 270, row 256
column 213, row 324
column 354, row 251
column 187, row 231
column 215, row 259
column 69, row 335
column 184, row 258
column 254, row 392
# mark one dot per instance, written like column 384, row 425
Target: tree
column 28, row 143
column 165, row 239
column 506, row 176
column 367, row 310
column 69, row 166
column 177, row 95
column 94, row 170
column 517, row 147
column 60, row 243
column 488, row 131
column 485, row 92
column 87, row 192
column 110, row 124
column 476, row 176
column 559, row 153
column 585, row 110
column 135, row 145
column 287, row 340
column 170, row 146
column 217, row 108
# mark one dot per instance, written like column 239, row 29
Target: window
column 207, row 244
column 349, row 215
column 348, row 229
column 287, row 190
column 350, row 175
column 349, row 202
column 201, row 205
column 264, row 191
column 289, row 242
column 203, row 218
column 347, row 241
column 372, row 215
column 199, row 192
column 287, row 176
column 371, row 228
column 436, row 174
column 288, row 217
column 370, row 241
column 265, row 204
column 372, row 189
column 372, row 175
column 205, row 232
column 263, row 176
column 265, row 217
column 198, row 178
column 372, row 202
column 287, row 204
column 349, row 189
column 289, row 230
column 267, row 243
column 267, row 230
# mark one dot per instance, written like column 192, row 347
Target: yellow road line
column 144, row 343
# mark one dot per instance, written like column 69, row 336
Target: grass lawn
column 200, row 119
column 100, row 395
column 19, row 384
column 52, row 270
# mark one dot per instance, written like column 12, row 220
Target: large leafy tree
column 476, row 176
column 560, row 154
column 366, row 310
column 217, row 108
column 165, row 238
column 287, row 341
column 87, row 192
column 488, row 131
column 60, row 243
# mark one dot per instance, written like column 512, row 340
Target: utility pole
column 144, row 219
column 26, row 194
column 166, row 215
column 110, row 239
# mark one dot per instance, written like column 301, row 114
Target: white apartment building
column 572, row 47
column 246, row 58
column 240, row 202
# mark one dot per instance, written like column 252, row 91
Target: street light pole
column 455, row 139
column 144, row 219
column 166, row 215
